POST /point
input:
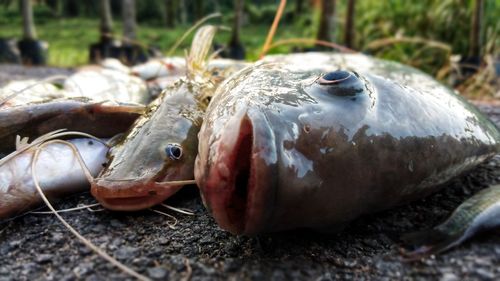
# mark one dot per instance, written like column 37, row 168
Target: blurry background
column 456, row 41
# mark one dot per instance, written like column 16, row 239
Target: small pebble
column 157, row 273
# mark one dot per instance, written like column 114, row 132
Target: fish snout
column 235, row 180
column 130, row 195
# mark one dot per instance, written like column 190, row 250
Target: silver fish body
column 58, row 170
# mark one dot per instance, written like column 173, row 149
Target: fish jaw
column 236, row 185
column 130, row 195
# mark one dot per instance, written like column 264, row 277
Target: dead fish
column 476, row 214
column 155, row 68
column 32, row 91
column 160, row 147
column 102, row 119
column 283, row 148
column 58, row 171
column 100, row 84
column 162, row 144
column 218, row 68
column 115, row 64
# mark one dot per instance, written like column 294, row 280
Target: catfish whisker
column 170, row 225
column 82, row 239
column 176, row 183
column 84, row 167
column 24, row 146
column 179, row 210
column 81, row 207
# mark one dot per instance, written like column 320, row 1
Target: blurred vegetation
column 427, row 34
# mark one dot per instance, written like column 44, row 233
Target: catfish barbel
column 308, row 145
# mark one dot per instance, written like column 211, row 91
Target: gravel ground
column 38, row 247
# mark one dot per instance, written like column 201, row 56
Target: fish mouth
column 130, row 195
column 236, row 187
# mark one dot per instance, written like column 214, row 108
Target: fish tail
column 480, row 212
column 430, row 242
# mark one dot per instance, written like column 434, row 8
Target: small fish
column 476, row 214
column 32, row 91
column 155, row 68
column 100, row 84
column 102, row 119
column 295, row 145
column 162, row 144
column 58, row 170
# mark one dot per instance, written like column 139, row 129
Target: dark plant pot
column 133, row 54
column 104, row 49
column 9, row 53
column 232, row 51
column 33, row 52
column 236, row 51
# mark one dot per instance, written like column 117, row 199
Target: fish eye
column 173, row 151
column 341, row 83
column 334, row 77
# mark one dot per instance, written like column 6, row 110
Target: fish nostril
column 152, row 192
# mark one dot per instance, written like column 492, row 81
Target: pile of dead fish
column 308, row 140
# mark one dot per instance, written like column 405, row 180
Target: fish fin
column 21, row 142
column 480, row 212
column 196, row 60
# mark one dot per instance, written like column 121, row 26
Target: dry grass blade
column 484, row 83
column 80, row 237
column 273, row 28
column 191, row 29
column 170, row 225
column 83, row 207
column 179, row 210
column 189, row 270
column 46, row 137
column 311, row 41
column 377, row 44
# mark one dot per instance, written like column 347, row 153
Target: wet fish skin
column 139, row 163
column 478, row 213
column 279, row 151
column 57, row 169
column 101, row 84
column 102, row 119
column 32, row 91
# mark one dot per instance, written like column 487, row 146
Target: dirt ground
column 38, row 247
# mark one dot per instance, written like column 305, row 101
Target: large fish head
column 160, row 147
column 260, row 136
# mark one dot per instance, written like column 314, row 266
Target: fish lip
column 130, row 195
column 219, row 185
